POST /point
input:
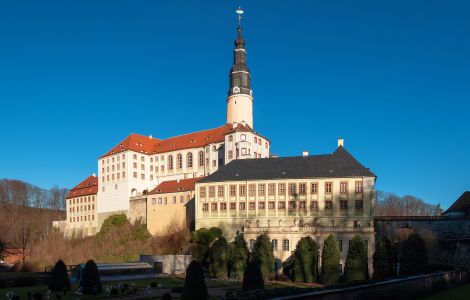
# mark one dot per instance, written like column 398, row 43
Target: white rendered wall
column 240, row 108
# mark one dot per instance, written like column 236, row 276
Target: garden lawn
column 457, row 293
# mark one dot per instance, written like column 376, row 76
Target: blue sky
column 391, row 77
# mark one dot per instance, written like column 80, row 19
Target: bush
column 253, row 278
column 113, row 221
column 91, row 282
column 383, row 259
column 194, row 283
column 262, row 255
column 218, row 258
column 24, row 282
column 59, row 279
column 414, row 258
column 203, row 239
column 305, row 260
column 355, row 268
column 330, row 261
column 238, row 257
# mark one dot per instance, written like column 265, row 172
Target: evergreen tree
column 218, row 258
column 383, row 259
column 59, row 279
column 305, row 260
column 238, row 257
column 263, row 255
column 330, row 261
column 252, row 278
column 203, row 238
column 414, row 258
column 194, row 283
column 91, row 282
column 355, row 268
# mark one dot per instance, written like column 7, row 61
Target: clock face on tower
column 236, row 90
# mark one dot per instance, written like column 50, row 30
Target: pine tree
column 383, row 259
column 194, row 283
column 414, row 258
column 59, row 279
column 252, row 278
column 91, row 282
column 355, row 268
column 218, row 258
column 305, row 260
column 330, row 261
column 238, row 257
column 263, row 255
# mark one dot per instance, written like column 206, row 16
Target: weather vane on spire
column 239, row 11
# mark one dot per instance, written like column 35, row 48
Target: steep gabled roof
column 462, row 204
column 87, row 187
column 175, row 186
column 338, row 164
column 134, row 142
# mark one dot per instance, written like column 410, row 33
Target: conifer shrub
column 90, row 281
column 238, row 257
column 414, row 258
column 218, row 258
column 330, row 261
column 194, row 283
column 383, row 259
column 305, row 260
column 262, row 255
column 202, row 239
column 355, row 268
column 252, row 278
column 59, row 280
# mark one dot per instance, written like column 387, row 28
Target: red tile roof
column 147, row 145
column 87, row 187
column 175, row 186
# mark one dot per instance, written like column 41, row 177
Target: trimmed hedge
column 262, row 255
column 305, row 260
column 355, row 268
column 330, row 261
column 252, row 278
column 59, row 279
column 194, row 283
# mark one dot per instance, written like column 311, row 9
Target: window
column 214, row 148
column 252, row 205
column 189, row 160
column 230, row 138
column 285, row 245
column 302, row 188
column 302, row 205
column 328, row 204
column 165, row 201
column 314, row 188
column 243, row 137
column 274, row 243
column 211, row 191
column 202, row 192
column 358, row 204
column 358, row 187
column 343, row 187
column 220, row 191
column 261, row 205
column 242, row 190
column 213, row 206
column 272, row 205
column 281, row 205
column 242, row 206
column 233, row 205
column 134, row 165
column 134, row 156
column 243, row 151
column 233, row 190
column 170, row 162
column 343, row 204
column 256, row 140
column 230, row 154
column 160, row 200
column 291, row 204
column 142, row 158
column 162, row 169
column 314, row 205
column 266, row 145
column 214, row 163
column 261, row 189
column 340, row 244
column 174, row 199
column 259, row 142
column 328, row 187
column 252, row 190
column 181, row 199
column 292, row 188
column 154, row 201
column 179, row 161
column 271, row 189
column 205, row 207
column 142, row 167
column 223, row 206
column 201, row 158
column 142, row 176
column 252, row 243
column 282, row 188
column 135, row 174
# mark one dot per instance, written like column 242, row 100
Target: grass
column 457, row 293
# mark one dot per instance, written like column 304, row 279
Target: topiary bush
column 194, row 283
column 238, row 257
column 355, row 268
column 383, row 259
column 91, row 282
column 218, row 258
column 252, row 278
column 59, row 279
column 262, row 255
column 305, row 260
column 330, row 261
column 414, row 258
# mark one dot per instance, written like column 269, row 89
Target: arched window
column 179, row 161
column 201, row 158
column 170, row 162
column 189, row 160
column 285, row 245
column 174, row 199
column 181, row 199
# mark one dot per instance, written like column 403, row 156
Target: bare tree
column 23, row 237
column 393, row 205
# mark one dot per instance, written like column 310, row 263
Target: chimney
column 234, row 125
column 304, row 153
column 340, row 142
column 94, row 175
column 150, row 136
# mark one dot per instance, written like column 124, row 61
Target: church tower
column 240, row 99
